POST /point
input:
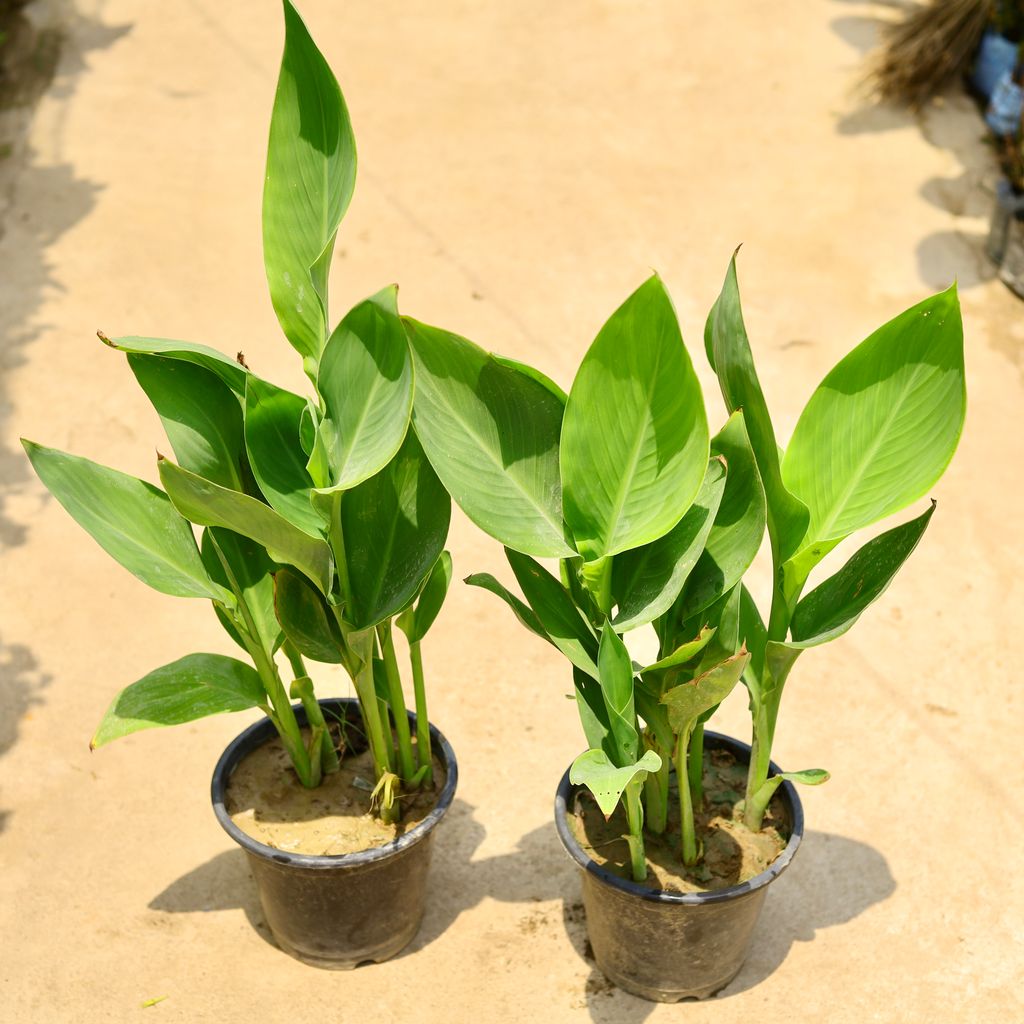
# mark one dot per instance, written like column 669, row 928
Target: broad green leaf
column 686, row 703
column 191, row 687
column 559, row 618
column 592, row 710
column 615, row 674
column 207, row 504
column 395, row 525
column 728, row 350
column 684, row 652
column 607, row 782
column 251, row 568
column 421, row 616
column 200, row 414
column 230, row 371
column 753, row 634
column 833, row 607
column 365, row 380
column 647, row 580
column 306, row 619
column 491, row 432
column 272, row 425
column 311, row 169
column 130, row 519
column 882, row 426
column 635, row 439
column 522, row 611
column 738, row 529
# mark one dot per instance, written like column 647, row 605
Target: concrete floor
column 523, row 165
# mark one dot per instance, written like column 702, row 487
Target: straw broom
column 926, row 51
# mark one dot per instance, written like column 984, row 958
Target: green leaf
column 311, row 168
column 428, row 604
column 592, row 710
column 647, row 580
column 559, row 618
column 200, row 414
column 365, row 380
column 491, row 432
column 635, row 439
column 251, row 568
column 738, row 529
column 615, row 674
column 807, row 777
column 684, row 652
column 207, row 504
column 725, row 340
column 191, row 687
column 522, row 611
column 833, row 607
column 686, row 703
column 306, row 619
column 272, row 425
column 230, row 371
column 532, row 372
column 753, row 634
column 594, row 770
column 130, row 519
column 883, row 425
column 395, row 525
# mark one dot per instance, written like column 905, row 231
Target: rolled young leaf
column 207, row 504
column 365, row 381
column 311, row 168
column 728, row 351
column 615, row 674
column 834, row 606
column 647, row 580
column 491, row 432
column 272, row 427
column 607, row 781
column 133, row 521
column 635, row 439
column 191, row 687
column 883, row 425
column 200, row 414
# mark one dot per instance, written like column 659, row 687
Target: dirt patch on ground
column 266, row 801
column 732, row 853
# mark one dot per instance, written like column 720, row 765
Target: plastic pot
column 341, row 911
column 668, row 946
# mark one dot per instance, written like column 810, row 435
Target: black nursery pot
column 343, row 911
column 668, row 946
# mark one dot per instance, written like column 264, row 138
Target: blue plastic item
column 996, row 55
column 1004, row 109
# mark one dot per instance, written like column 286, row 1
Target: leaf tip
column 106, row 341
column 240, row 359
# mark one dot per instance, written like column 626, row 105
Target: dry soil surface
column 523, row 166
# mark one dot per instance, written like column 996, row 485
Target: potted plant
column 654, row 524
column 322, row 534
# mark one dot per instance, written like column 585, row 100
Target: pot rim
column 259, row 732
column 742, row 750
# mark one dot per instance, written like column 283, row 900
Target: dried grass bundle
column 926, row 51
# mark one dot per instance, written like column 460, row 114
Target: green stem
column 597, row 576
column 294, row 659
column 425, row 755
column 695, row 764
column 656, row 798
column 397, row 699
column 758, row 804
column 689, row 835
column 635, row 839
column 757, row 773
column 284, row 717
column 327, row 760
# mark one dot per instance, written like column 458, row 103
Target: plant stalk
column 635, row 839
column 687, row 829
column 423, row 751
column 695, row 764
column 397, row 700
column 656, row 798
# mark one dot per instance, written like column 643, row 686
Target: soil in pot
column 732, row 853
column 266, row 801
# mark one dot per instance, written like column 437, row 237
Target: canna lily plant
column 322, row 524
column 654, row 524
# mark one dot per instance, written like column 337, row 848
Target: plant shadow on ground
column 40, row 200
column 832, row 881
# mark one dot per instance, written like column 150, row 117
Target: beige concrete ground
column 523, row 165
